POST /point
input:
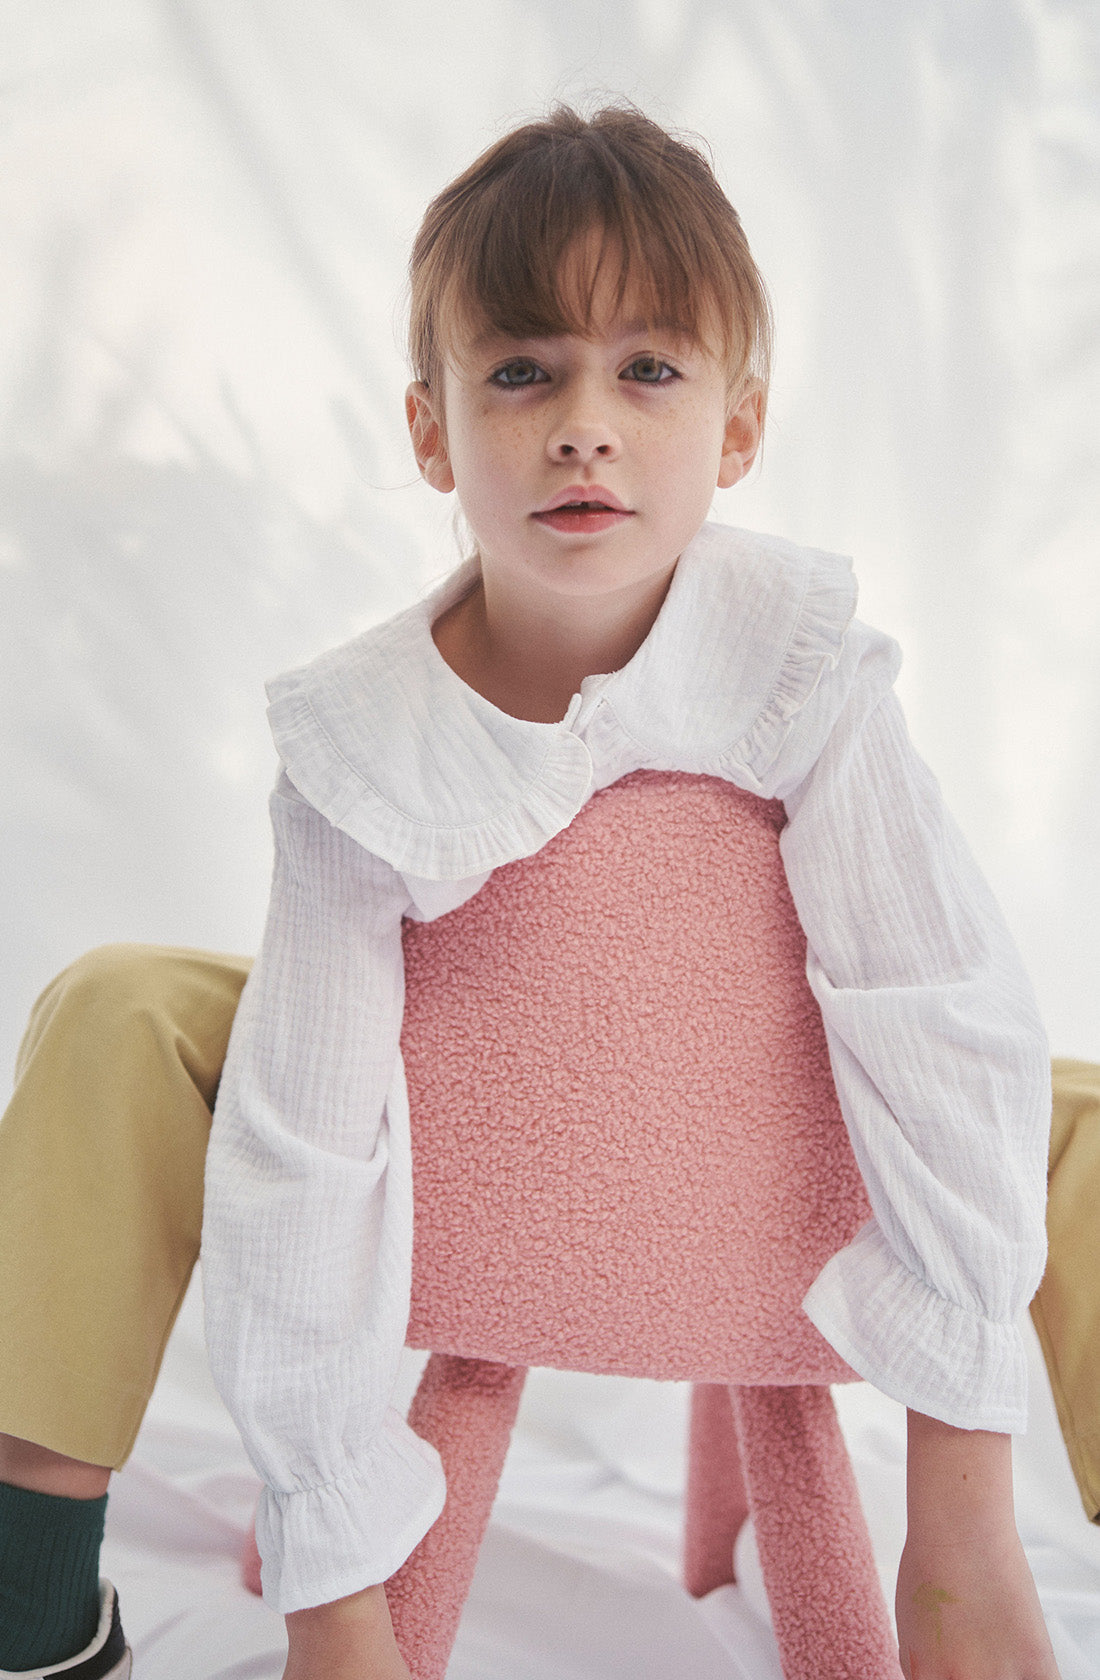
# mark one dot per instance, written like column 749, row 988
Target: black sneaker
column 106, row 1658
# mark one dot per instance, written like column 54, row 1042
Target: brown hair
column 490, row 248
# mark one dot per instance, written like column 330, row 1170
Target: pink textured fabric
column 621, row 1096
column 466, row 1409
column 717, row 1499
column 628, row 1157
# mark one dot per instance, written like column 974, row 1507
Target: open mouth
column 584, row 513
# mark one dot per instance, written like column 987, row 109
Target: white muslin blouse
column 402, row 790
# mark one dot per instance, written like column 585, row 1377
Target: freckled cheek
column 493, row 475
column 680, row 450
column 487, row 433
column 507, row 460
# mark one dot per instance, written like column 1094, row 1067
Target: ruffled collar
column 394, row 748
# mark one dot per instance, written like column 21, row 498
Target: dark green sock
column 49, row 1576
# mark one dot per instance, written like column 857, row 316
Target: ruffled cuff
column 914, row 1345
column 326, row 1542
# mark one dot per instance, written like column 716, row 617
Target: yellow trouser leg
column 101, row 1169
column 1066, row 1310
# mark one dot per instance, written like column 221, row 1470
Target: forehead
column 596, row 293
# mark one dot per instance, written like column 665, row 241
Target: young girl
column 590, row 341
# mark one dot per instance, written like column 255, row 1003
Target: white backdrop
column 205, row 209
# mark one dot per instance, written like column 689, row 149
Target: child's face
column 584, row 464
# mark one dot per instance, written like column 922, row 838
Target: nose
column 582, row 433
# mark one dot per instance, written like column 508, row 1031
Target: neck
column 528, row 652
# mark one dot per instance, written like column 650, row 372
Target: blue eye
column 516, row 374
column 649, row 370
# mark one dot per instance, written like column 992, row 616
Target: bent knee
column 114, row 979
column 141, row 1008
column 121, row 989
column 87, row 1003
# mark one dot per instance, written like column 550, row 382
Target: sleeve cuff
column 322, row 1543
column 916, row 1346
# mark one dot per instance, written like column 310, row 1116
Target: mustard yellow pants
column 101, row 1170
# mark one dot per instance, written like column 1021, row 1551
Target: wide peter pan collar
column 389, row 743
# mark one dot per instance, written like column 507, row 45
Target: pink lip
column 583, row 510
column 591, row 493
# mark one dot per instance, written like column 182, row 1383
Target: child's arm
column 942, row 1070
column 966, row 1605
column 308, row 1223
column 349, row 1640
column 941, row 1067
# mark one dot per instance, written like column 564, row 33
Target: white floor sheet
column 578, row 1577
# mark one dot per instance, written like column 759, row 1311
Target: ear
column 744, row 428
column 424, row 412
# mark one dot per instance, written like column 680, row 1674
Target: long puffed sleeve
column 307, row 1233
column 941, row 1067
